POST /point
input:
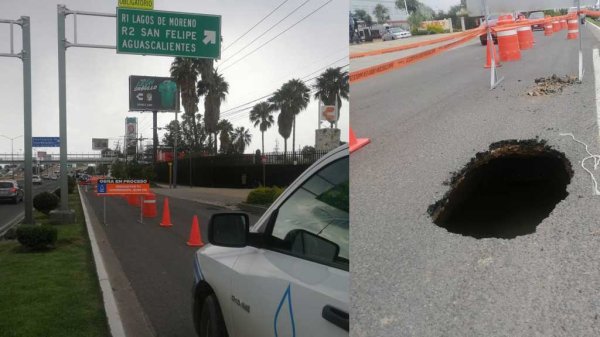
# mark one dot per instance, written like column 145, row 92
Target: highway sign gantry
column 163, row 33
column 45, row 141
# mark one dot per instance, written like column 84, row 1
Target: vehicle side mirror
column 229, row 229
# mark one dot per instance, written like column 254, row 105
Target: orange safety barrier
column 525, row 36
column 195, row 236
column 572, row 29
column 416, row 44
column 379, row 69
column 508, row 44
column 149, row 206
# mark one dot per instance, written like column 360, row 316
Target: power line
column 276, row 36
column 231, row 112
column 235, row 114
column 265, row 32
column 261, row 20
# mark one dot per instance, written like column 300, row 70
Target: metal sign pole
column 104, row 198
column 25, row 25
column 580, row 51
column 62, row 108
column 25, row 56
column 175, row 153
column 141, row 208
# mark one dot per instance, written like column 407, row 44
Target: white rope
column 591, row 156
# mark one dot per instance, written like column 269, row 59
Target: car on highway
column 36, row 180
column 395, row 33
column 288, row 274
column 536, row 16
column 10, row 190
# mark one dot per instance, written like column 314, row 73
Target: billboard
column 147, row 93
column 42, row 154
column 328, row 113
column 130, row 135
column 476, row 7
column 99, row 143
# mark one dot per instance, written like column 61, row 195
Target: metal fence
column 255, row 159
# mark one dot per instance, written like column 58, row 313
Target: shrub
column 434, row 29
column 264, row 195
column 37, row 237
column 45, row 202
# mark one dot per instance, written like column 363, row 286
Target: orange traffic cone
column 166, row 219
column 195, row 236
column 491, row 49
column 357, row 143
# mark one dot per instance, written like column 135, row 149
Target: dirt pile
column 551, row 85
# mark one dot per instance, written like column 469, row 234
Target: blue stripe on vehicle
column 287, row 294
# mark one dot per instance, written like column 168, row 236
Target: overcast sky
column 97, row 79
column 368, row 5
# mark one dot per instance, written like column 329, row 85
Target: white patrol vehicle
column 288, row 275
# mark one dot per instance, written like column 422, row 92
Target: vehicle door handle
column 336, row 316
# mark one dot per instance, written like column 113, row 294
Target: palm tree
column 225, row 135
column 381, row 13
column 262, row 114
column 241, row 139
column 332, row 85
column 185, row 72
column 290, row 100
column 215, row 90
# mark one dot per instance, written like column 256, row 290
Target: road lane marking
column 596, row 59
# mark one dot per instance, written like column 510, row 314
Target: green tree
column 381, row 13
column 361, row 14
column 241, row 139
column 225, row 136
column 173, row 128
column 215, row 90
column 262, row 115
column 332, row 85
column 290, row 99
column 185, row 72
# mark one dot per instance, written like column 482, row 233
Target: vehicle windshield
column 536, row 15
column 397, row 30
column 5, row 184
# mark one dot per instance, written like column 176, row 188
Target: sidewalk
column 221, row 197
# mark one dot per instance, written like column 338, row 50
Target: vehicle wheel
column 211, row 320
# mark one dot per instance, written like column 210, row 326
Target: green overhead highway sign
column 168, row 33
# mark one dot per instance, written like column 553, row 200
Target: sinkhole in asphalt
column 504, row 192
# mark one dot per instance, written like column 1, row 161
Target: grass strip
column 54, row 292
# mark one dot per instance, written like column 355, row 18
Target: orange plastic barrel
column 525, row 35
column 563, row 24
column 555, row 25
column 133, row 200
column 149, row 206
column 508, row 44
column 548, row 30
column 572, row 28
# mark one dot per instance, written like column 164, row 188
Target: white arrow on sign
column 140, row 96
column 210, row 36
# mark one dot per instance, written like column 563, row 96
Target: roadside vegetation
column 264, row 195
column 52, row 291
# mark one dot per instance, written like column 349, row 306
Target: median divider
column 416, row 44
column 372, row 71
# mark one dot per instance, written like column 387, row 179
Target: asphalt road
column 10, row 211
column 413, row 278
column 156, row 260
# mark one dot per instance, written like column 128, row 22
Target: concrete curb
column 110, row 306
column 12, row 223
